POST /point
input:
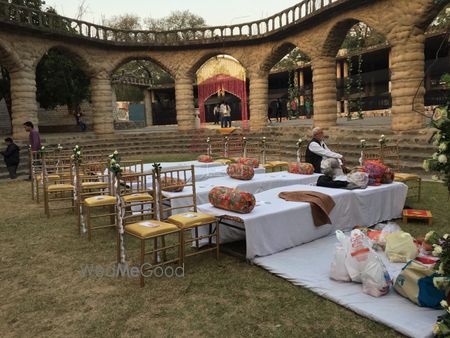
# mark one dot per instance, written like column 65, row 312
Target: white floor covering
column 308, row 265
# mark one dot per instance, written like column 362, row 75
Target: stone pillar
column 407, row 88
column 345, row 76
column 184, row 97
column 259, row 92
column 24, row 105
column 324, row 83
column 148, row 107
column 102, row 107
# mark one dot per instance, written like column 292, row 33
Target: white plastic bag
column 389, row 228
column 359, row 250
column 375, row 277
column 400, row 247
column 338, row 270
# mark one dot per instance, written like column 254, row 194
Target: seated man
column 317, row 150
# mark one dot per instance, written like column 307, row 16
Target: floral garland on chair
column 116, row 170
column 299, row 147
column 76, row 160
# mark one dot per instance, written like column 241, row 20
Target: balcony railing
column 28, row 17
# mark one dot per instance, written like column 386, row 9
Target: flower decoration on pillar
column 208, row 147
column 263, row 149
column 225, row 146
column 299, row 147
column 382, row 140
column 244, row 147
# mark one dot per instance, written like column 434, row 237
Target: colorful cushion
column 376, row 171
column 232, row 199
column 301, row 168
column 240, row 171
column 172, row 184
column 253, row 162
column 205, row 159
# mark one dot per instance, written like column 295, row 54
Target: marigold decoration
column 232, row 199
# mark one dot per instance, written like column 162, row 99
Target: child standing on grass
column 11, row 157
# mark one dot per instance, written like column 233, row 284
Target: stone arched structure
column 307, row 25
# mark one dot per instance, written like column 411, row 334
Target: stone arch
column 71, row 53
column 337, row 33
column 205, row 57
column 427, row 11
column 8, row 57
column 276, row 54
column 128, row 58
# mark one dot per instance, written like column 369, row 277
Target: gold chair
column 271, row 157
column 94, row 193
column 391, row 156
column 148, row 227
column 59, row 189
column 190, row 221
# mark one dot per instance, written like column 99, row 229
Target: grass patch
column 44, row 294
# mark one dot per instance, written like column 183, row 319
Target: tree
column 176, row 20
column 291, row 60
column 124, row 22
column 442, row 21
column 60, row 81
column 361, row 36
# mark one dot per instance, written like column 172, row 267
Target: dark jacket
column 313, row 158
column 328, row 182
column 11, row 155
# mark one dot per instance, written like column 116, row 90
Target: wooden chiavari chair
column 142, row 223
column 173, row 180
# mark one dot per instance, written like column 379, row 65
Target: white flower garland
column 120, row 216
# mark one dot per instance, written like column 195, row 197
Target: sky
column 215, row 13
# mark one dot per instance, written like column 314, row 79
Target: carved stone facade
column 402, row 22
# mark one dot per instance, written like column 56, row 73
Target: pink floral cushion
column 172, row 184
column 205, row 159
column 240, row 171
column 301, row 168
column 253, row 162
column 232, row 199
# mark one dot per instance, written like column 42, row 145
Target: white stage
column 308, row 265
column 275, row 224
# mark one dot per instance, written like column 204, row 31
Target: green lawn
column 43, row 293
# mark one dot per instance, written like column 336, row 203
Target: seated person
column 317, row 150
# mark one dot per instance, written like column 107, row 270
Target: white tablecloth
column 148, row 167
column 275, row 224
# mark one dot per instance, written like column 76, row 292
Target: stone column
column 148, row 107
column 259, row 92
column 184, row 97
column 324, row 84
column 24, row 105
column 102, row 107
column 407, row 88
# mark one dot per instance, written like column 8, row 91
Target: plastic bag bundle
column 338, row 270
column 354, row 260
column 389, row 228
column 400, row 247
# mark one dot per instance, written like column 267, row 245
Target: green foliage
column 175, row 21
column 361, row 36
column 60, row 81
column 291, row 60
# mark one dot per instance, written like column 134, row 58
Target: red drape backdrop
column 229, row 84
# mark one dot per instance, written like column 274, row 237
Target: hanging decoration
column 219, row 76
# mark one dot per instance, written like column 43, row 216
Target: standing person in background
column 34, row 140
column 11, row 157
column 34, row 137
column 227, row 115
column 222, row 109
column 278, row 110
column 216, row 113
